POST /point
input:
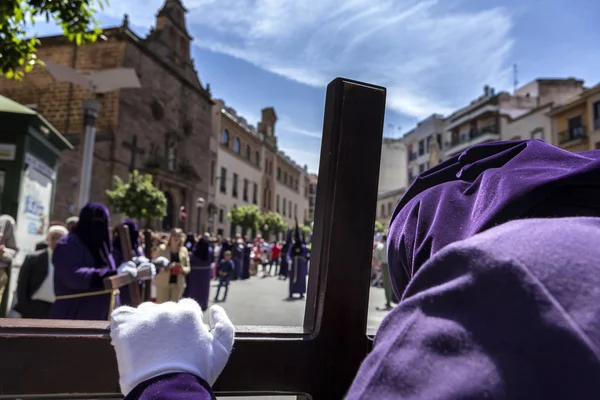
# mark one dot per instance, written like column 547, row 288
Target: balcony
column 412, row 156
column 597, row 124
column 460, row 143
column 572, row 134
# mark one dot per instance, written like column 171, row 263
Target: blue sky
column 433, row 56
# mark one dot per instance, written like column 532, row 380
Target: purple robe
column 199, row 278
column 298, row 270
column 246, row 261
column 172, row 387
column 237, row 257
column 74, row 273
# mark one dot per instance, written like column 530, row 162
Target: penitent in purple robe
column 298, row 270
column 238, row 258
column 199, row 278
column 74, row 273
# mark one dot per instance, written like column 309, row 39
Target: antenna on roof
column 515, row 78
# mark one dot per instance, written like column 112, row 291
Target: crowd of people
column 64, row 277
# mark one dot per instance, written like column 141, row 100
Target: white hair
column 58, row 229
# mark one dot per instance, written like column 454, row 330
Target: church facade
column 163, row 129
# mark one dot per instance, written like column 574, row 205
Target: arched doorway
column 167, row 222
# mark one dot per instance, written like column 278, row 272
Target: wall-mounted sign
column 7, row 151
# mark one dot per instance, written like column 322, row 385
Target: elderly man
column 35, row 287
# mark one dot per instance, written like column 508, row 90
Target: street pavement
column 259, row 301
column 263, row 301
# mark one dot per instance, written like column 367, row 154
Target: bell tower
column 170, row 25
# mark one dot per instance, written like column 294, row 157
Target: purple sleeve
column 74, row 266
column 509, row 313
column 172, row 387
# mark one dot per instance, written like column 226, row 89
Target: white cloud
column 432, row 58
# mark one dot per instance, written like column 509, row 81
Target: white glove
column 162, row 261
column 128, row 267
column 149, row 264
column 140, row 260
column 157, row 339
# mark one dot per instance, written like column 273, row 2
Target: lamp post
column 91, row 109
column 200, row 202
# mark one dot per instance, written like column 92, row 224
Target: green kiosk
column 29, row 152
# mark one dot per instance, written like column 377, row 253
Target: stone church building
column 163, row 129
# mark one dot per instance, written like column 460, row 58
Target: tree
column 306, row 231
column 138, row 198
column 246, row 217
column 271, row 223
column 379, row 228
column 75, row 17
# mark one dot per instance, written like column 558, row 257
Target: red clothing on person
column 275, row 251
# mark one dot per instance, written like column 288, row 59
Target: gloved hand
column 140, row 260
column 162, row 261
column 156, row 339
column 149, row 264
column 128, row 267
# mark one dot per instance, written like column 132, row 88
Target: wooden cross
column 134, row 151
column 121, row 280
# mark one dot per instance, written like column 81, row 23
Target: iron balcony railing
column 572, row 134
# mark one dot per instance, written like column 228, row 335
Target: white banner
column 35, row 199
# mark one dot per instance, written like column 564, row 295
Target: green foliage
column 271, row 223
column 17, row 17
column 306, row 231
column 379, row 227
column 246, row 217
column 138, row 198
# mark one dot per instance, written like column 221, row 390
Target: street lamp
column 98, row 83
column 200, row 202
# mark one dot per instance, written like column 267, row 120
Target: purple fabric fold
column 172, row 387
column 511, row 313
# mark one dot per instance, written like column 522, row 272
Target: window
column 421, row 168
column 296, row 184
column 256, row 159
column 421, row 147
column 285, row 178
column 277, row 203
column 576, row 129
column 597, row 115
column 213, row 166
column 223, row 179
column 295, row 210
column 236, row 145
column 278, row 173
column 245, row 194
column 389, row 208
column 382, row 211
column 234, row 190
column 255, row 194
column 538, row 134
column 284, row 206
column 290, row 209
column 248, row 152
column 225, row 137
column 221, row 212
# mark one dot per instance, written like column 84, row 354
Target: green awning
column 9, row 106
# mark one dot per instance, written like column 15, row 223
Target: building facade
column 253, row 170
column 488, row 117
column 392, row 166
column 164, row 128
column 576, row 124
column 386, row 203
column 423, row 146
column 312, row 195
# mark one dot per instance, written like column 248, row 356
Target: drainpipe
column 70, row 94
